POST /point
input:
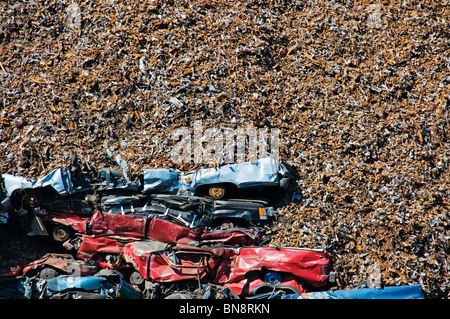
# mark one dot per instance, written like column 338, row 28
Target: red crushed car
column 52, row 265
column 245, row 270
column 105, row 247
column 153, row 227
column 104, row 234
column 162, row 224
column 62, row 226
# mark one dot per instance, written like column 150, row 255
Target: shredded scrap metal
column 358, row 90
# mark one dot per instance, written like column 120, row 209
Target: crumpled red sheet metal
column 312, row 266
column 77, row 223
column 93, row 246
column 229, row 266
column 169, row 232
column 63, row 263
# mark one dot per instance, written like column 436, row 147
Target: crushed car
column 61, row 183
column 104, row 284
column 263, row 179
column 105, row 249
column 164, row 227
column 99, row 286
column 191, row 218
column 70, row 188
column 245, row 270
column 52, row 265
column 196, row 211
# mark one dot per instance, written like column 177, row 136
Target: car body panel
column 308, row 264
column 118, row 224
column 13, row 182
column 263, row 173
column 211, row 212
column 64, row 263
column 90, row 287
column 95, row 247
column 60, row 183
column 77, row 223
column 391, row 292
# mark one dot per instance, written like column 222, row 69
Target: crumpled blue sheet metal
column 8, row 184
column 4, row 216
column 13, row 182
column 96, row 284
column 59, row 179
column 162, row 179
column 394, row 292
column 264, row 172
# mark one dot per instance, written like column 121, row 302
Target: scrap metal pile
column 159, row 232
column 359, row 92
column 157, row 239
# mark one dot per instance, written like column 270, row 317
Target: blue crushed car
column 265, row 178
column 106, row 284
column 61, row 183
column 90, row 287
column 392, row 292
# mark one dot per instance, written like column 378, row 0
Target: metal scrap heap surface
column 359, row 92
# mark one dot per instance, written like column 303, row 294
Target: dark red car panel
column 310, row 265
column 169, row 232
column 117, row 224
column 153, row 227
column 78, row 223
column 93, row 245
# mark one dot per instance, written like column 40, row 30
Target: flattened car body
column 313, row 266
column 192, row 211
column 210, row 213
column 266, row 172
column 89, row 287
column 95, row 247
column 52, row 264
column 242, row 269
column 161, row 229
column 61, row 182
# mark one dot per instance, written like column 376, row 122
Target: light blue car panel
column 59, row 179
column 62, row 283
column 165, row 179
column 264, row 172
column 96, row 284
column 13, row 182
column 393, row 292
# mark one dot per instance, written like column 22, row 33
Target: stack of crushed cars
column 170, row 234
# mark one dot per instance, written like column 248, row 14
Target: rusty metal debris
column 358, row 89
